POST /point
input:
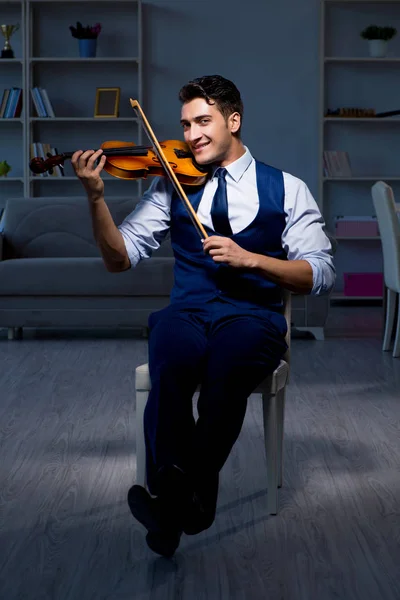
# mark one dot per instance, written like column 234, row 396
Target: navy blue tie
column 219, row 208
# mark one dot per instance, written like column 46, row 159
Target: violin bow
column 174, row 180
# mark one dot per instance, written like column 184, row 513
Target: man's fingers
column 75, row 157
column 93, row 158
column 213, row 244
column 101, row 164
column 83, row 159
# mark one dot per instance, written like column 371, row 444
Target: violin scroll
column 39, row 165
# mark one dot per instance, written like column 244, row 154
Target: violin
column 125, row 160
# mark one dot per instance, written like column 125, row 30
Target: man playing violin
column 224, row 326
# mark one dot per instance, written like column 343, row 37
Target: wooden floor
column 67, row 452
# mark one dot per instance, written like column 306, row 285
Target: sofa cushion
column 52, row 227
column 84, row 277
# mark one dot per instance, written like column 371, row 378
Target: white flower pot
column 378, row 48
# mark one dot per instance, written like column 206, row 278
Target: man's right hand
column 89, row 174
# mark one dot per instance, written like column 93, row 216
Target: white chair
column 272, row 390
column 389, row 227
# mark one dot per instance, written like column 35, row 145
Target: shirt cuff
column 323, row 278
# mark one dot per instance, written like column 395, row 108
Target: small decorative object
column 378, row 38
column 107, row 102
column 87, row 37
column 7, row 31
column 351, row 113
column 361, row 113
column 4, row 168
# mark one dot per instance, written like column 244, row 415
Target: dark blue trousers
column 229, row 350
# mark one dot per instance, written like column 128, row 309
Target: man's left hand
column 224, row 250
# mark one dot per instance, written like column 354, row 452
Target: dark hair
column 215, row 88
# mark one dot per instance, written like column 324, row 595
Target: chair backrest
column 287, row 311
column 389, row 227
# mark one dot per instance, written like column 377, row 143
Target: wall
column 270, row 51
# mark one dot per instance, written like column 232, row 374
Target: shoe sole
column 158, row 544
column 157, row 541
column 141, row 510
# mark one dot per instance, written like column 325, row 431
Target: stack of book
column 42, row 103
column 38, row 149
column 11, row 104
column 336, row 164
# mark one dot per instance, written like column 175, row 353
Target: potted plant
column 87, row 37
column 378, row 38
column 4, row 168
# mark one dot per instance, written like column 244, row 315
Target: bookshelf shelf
column 83, row 119
column 8, row 179
column 338, row 296
column 381, row 121
column 380, row 2
column 364, row 178
column 361, row 59
column 69, row 178
column 77, row 59
column 356, row 238
column 81, row 1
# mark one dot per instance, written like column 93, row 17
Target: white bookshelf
column 389, row 125
column 56, row 71
column 12, row 74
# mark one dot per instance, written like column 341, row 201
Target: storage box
column 363, row 284
column 356, row 227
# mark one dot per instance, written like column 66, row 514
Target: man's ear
column 234, row 122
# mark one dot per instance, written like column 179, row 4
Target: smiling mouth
column 200, row 147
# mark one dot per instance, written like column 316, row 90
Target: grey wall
column 269, row 49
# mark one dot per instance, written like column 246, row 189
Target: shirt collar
column 237, row 168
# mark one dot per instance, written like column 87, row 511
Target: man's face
column 205, row 131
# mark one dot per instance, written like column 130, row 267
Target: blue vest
column 199, row 279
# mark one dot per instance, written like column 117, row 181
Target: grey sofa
column 52, row 274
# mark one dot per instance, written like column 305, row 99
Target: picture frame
column 107, row 102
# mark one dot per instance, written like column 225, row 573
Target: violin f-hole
column 157, row 160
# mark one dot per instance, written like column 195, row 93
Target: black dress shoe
column 201, row 511
column 163, row 536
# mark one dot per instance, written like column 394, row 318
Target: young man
column 224, row 327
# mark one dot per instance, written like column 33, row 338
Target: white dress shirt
column 302, row 239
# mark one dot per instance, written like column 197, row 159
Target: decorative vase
column 378, row 48
column 87, row 48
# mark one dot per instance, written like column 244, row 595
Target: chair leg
column 390, row 313
column 317, row 332
column 280, row 432
column 396, row 348
column 141, row 400
column 14, row 333
column 271, row 449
